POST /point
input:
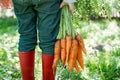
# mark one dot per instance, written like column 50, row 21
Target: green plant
column 105, row 66
column 98, row 65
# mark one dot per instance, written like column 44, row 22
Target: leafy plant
column 86, row 8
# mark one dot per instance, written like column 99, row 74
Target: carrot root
column 63, row 51
column 77, row 68
column 80, row 58
column 56, row 56
column 73, row 55
column 81, row 42
column 68, row 46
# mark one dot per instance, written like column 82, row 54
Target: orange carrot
column 77, row 68
column 80, row 58
column 73, row 55
column 56, row 56
column 68, row 46
column 81, row 42
column 63, row 51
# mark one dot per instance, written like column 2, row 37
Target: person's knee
column 47, row 48
column 27, row 42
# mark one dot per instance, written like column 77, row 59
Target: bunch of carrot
column 69, row 45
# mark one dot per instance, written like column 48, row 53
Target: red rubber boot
column 27, row 65
column 47, row 72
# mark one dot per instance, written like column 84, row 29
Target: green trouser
column 37, row 18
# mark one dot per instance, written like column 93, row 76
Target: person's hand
column 70, row 4
column 5, row 3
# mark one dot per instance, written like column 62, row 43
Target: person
column 38, row 20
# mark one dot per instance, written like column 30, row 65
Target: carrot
column 56, row 55
column 81, row 42
column 63, row 51
column 68, row 46
column 80, row 58
column 77, row 68
column 73, row 55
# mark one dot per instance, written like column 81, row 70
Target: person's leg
column 27, row 65
column 47, row 72
column 27, row 18
column 48, row 27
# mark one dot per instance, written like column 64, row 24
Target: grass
column 8, row 26
column 99, row 65
column 103, row 66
